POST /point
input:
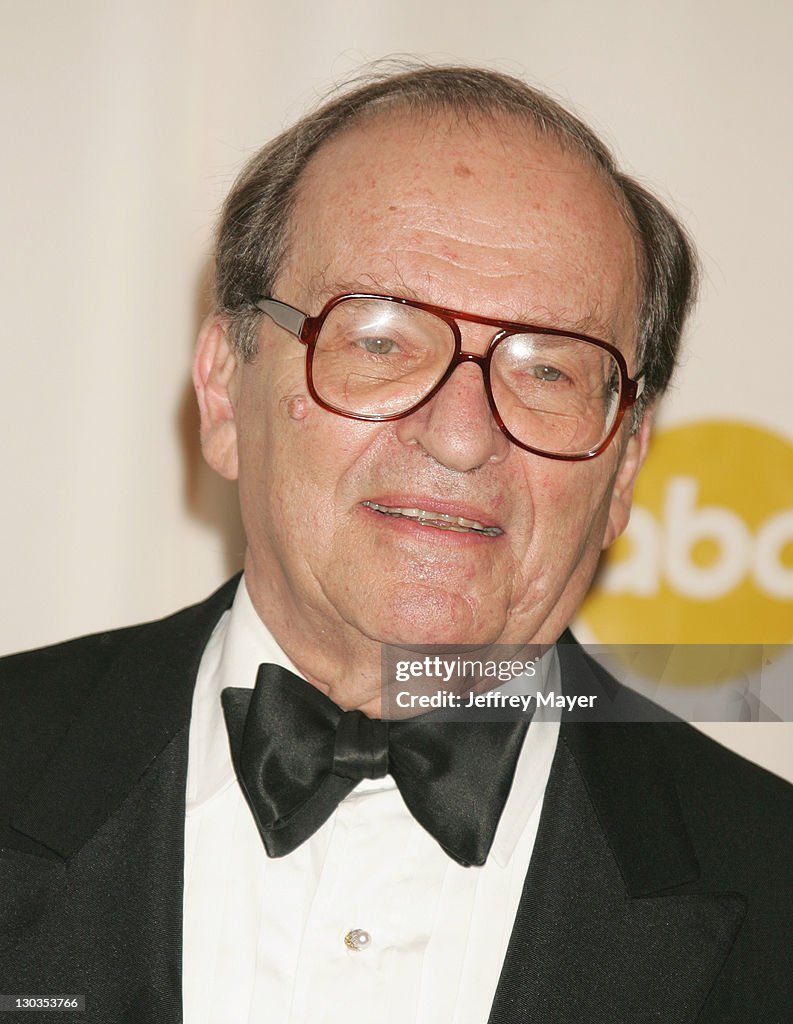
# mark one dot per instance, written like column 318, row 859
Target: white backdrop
column 123, row 125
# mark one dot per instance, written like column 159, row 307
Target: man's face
column 488, row 221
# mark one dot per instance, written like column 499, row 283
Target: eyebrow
column 589, row 323
column 371, row 285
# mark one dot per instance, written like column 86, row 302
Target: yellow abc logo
column 708, row 555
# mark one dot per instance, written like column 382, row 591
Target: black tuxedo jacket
column 659, row 889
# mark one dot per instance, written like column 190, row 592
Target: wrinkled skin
column 487, row 219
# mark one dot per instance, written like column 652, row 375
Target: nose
column 456, row 427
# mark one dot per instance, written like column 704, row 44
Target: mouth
column 435, row 520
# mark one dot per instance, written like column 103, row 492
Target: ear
column 622, row 496
column 216, row 382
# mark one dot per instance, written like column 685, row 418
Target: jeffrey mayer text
column 493, row 699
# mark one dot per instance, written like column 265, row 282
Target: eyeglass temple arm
column 288, row 317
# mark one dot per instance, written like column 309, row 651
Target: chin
column 425, row 615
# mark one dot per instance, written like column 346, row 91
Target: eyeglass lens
column 375, row 358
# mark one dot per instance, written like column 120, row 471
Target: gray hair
column 255, row 224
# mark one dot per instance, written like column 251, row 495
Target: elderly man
column 442, row 319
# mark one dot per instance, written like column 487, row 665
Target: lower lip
column 434, row 534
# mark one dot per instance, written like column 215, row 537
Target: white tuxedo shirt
column 264, row 939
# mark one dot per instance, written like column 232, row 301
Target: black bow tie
column 297, row 756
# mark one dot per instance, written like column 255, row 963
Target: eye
column 549, row 373
column 377, row 346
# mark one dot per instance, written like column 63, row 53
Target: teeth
column 437, row 520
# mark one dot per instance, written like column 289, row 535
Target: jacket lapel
column 108, row 816
column 613, row 923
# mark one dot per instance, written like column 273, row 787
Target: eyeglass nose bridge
column 461, row 357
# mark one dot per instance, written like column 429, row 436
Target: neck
column 362, row 673
column 341, row 662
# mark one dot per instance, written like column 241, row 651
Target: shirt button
column 357, row 940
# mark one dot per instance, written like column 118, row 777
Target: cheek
column 267, row 420
column 306, row 458
column 571, row 503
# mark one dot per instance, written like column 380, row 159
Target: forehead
column 487, row 218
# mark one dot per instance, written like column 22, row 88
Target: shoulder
column 738, row 816
column 43, row 691
column 730, row 803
